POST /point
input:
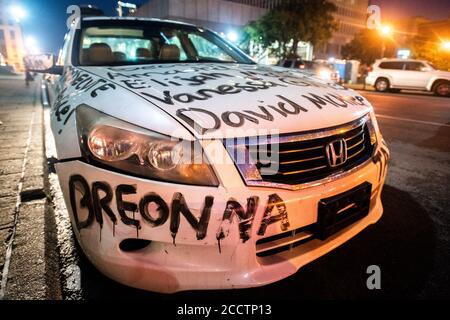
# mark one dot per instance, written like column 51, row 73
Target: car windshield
column 145, row 42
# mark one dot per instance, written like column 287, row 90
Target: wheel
column 442, row 89
column 382, row 85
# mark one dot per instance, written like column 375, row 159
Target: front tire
column 442, row 89
column 382, row 85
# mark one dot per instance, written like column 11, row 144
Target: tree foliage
column 432, row 51
column 367, row 46
column 281, row 29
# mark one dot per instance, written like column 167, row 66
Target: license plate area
column 340, row 211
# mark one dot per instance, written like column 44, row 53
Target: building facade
column 219, row 15
column 11, row 39
column 224, row 16
column 351, row 18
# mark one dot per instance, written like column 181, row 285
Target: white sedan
column 185, row 165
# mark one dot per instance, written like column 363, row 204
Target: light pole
column 386, row 32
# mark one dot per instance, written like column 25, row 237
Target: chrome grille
column 302, row 158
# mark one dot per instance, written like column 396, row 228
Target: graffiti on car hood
column 212, row 100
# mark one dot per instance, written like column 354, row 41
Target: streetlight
column 386, row 32
column 31, row 45
column 446, row 45
column 232, row 36
column 17, row 12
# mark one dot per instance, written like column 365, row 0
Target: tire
column 442, row 89
column 382, row 85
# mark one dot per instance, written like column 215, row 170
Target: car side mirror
column 425, row 69
column 42, row 63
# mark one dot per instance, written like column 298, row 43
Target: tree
column 292, row 21
column 366, row 47
column 432, row 51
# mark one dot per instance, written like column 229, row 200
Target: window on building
column 2, row 35
column 3, row 50
column 12, row 34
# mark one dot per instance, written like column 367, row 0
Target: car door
column 417, row 74
column 394, row 71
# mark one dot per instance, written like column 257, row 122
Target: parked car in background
column 397, row 74
column 321, row 69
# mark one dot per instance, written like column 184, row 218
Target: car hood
column 218, row 100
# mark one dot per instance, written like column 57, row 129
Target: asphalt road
column 410, row 243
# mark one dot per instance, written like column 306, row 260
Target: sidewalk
column 28, row 266
column 359, row 86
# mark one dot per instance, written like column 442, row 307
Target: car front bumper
column 185, row 252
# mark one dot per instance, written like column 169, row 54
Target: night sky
column 46, row 20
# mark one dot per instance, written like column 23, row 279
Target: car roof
column 103, row 18
column 398, row 59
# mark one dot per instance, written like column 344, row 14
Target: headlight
column 325, row 74
column 130, row 149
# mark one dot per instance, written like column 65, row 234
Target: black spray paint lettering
column 104, row 203
column 123, row 206
column 205, row 94
column 85, row 201
column 332, row 99
column 268, row 218
column 234, row 208
column 104, row 87
column 75, row 81
column 203, row 78
column 95, row 204
column 179, row 206
column 200, row 129
column 162, row 209
column 237, row 119
column 381, row 158
column 191, row 68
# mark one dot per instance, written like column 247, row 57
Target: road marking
column 412, row 120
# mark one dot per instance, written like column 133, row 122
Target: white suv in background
column 397, row 74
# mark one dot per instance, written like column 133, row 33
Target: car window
column 207, row 49
column 393, row 65
column 154, row 43
column 414, row 66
